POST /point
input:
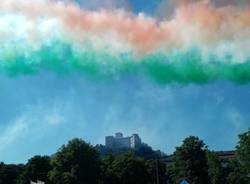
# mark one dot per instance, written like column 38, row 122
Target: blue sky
column 40, row 113
column 133, row 5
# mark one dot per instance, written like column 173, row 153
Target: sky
column 42, row 106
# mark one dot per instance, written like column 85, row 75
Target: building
column 38, row 182
column 118, row 141
column 226, row 154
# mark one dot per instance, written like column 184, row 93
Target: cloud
column 53, row 110
column 14, row 131
column 236, row 118
column 34, row 122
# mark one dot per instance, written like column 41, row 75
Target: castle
column 118, row 141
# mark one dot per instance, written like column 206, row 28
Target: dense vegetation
column 78, row 162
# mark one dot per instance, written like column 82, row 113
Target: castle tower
column 135, row 141
column 118, row 135
column 109, row 141
column 118, row 141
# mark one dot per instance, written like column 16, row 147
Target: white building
column 38, row 182
column 118, row 141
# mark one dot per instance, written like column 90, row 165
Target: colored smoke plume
column 200, row 42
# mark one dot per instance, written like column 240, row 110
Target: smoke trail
column 200, row 43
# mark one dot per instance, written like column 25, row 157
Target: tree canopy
column 78, row 162
column 37, row 168
column 75, row 163
column 243, row 150
column 124, row 169
column 215, row 169
column 9, row 173
column 190, row 162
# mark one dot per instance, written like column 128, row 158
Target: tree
column 37, row 168
column 190, row 162
column 239, row 168
column 158, row 168
column 215, row 169
column 243, row 150
column 9, row 173
column 124, row 169
column 107, row 172
column 75, row 163
column 236, row 174
column 143, row 151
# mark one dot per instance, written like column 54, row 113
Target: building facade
column 118, row 141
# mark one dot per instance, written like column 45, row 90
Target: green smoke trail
column 176, row 67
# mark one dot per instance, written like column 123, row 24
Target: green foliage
column 124, row 169
column 37, row 168
column 190, row 162
column 243, row 150
column 143, row 151
column 147, row 152
column 79, row 163
column 215, row 169
column 9, row 173
column 236, row 173
column 75, row 163
column 158, row 167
